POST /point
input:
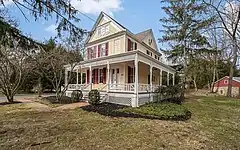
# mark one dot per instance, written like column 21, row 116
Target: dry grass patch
column 211, row 127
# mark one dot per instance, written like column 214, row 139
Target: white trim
column 225, row 77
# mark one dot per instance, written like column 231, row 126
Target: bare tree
column 51, row 62
column 228, row 15
column 14, row 66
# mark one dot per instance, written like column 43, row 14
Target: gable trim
column 102, row 14
column 226, row 77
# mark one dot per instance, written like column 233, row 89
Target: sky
column 136, row 15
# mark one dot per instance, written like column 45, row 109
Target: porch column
column 66, row 77
column 90, row 80
column 77, row 76
column 151, row 85
column 81, row 76
column 161, row 77
column 108, row 76
column 135, row 100
column 174, row 79
column 168, row 78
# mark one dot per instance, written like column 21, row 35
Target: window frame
column 225, row 81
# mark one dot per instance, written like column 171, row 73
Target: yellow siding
column 152, row 45
column 143, row 73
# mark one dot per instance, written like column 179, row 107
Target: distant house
column 221, row 86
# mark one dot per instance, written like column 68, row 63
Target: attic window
column 150, row 41
column 103, row 30
column 225, row 81
column 148, row 52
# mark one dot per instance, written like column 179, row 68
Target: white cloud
column 96, row 6
column 51, row 29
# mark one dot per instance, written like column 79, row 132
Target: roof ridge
column 144, row 31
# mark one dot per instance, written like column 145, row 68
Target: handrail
column 101, row 89
column 122, row 87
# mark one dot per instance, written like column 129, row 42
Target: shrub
column 170, row 93
column 94, row 97
column 76, row 96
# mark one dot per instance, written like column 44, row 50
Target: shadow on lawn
column 8, row 103
column 112, row 110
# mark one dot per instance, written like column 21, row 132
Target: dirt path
column 43, row 107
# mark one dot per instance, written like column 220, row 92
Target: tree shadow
column 8, row 103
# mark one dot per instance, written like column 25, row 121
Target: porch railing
column 144, row 87
column 78, row 86
column 129, row 87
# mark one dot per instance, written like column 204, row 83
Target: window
column 103, row 50
column 225, row 81
column 131, row 45
column 101, row 76
column 131, row 74
column 155, row 56
column 117, row 70
column 92, row 54
column 103, row 30
column 148, row 52
column 150, row 41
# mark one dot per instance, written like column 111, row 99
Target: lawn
column 214, row 125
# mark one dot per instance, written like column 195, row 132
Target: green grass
column 214, row 125
column 165, row 111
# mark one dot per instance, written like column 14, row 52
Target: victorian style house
column 125, row 67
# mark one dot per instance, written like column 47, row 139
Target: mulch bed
column 111, row 110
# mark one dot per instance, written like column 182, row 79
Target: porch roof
column 123, row 57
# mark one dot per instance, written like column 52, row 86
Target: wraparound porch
column 122, row 75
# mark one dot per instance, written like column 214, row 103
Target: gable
column 223, row 82
column 110, row 27
column 148, row 38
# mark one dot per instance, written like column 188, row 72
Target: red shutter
column 95, row 76
column 88, row 76
column 104, row 75
column 99, row 50
column 107, row 49
column 129, row 45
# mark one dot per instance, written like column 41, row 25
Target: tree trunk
column 229, row 91
column 195, row 84
column 213, row 79
column 10, row 98
column 39, row 87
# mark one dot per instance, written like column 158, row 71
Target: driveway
column 23, row 96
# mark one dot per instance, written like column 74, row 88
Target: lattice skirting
column 120, row 100
column 143, row 99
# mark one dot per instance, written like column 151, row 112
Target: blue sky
column 136, row 15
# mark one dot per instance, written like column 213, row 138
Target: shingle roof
column 236, row 79
column 143, row 34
